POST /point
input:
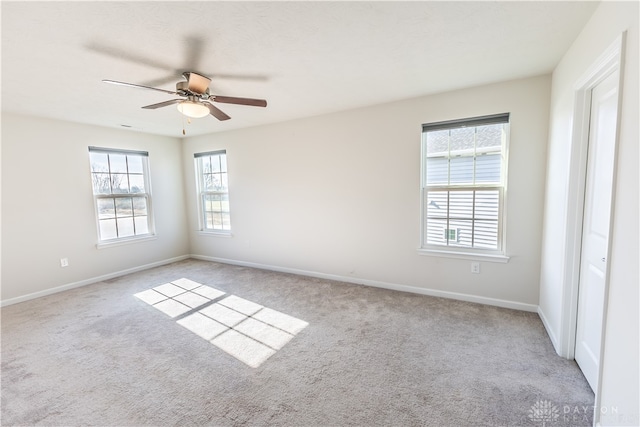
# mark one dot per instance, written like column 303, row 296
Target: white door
column 595, row 229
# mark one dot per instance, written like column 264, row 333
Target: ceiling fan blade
column 216, row 112
column 162, row 104
column 197, row 83
column 121, row 54
column 240, row 101
column 170, row 78
column 193, row 46
column 246, row 77
column 113, row 82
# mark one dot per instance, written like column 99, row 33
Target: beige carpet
column 100, row 355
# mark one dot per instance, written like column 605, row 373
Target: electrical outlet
column 475, row 267
column 64, row 262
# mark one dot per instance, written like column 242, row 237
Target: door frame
column 610, row 61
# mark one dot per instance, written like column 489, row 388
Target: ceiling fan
column 195, row 97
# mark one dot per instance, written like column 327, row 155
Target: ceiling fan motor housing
column 182, row 88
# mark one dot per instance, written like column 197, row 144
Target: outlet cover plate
column 475, row 267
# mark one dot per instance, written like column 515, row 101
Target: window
column 213, row 190
column 463, row 184
column 122, row 195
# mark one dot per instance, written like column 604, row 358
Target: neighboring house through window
column 122, row 194
column 213, row 191
column 463, row 184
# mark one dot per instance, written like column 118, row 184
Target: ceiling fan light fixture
column 193, row 109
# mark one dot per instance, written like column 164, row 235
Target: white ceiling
column 305, row 58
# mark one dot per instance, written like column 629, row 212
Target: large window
column 463, row 184
column 121, row 192
column 213, row 190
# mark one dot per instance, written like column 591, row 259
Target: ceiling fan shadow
column 194, row 47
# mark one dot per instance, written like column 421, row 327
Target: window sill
column 125, row 241
column 215, row 233
column 465, row 255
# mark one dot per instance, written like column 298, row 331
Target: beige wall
column 619, row 386
column 48, row 211
column 338, row 195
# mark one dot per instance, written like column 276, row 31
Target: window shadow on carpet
column 244, row 329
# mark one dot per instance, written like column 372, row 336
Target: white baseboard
column 374, row 283
column 85, row 282
column 378, row 284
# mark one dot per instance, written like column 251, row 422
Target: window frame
column 202, row 193
column 474, row 253
column 150, row 234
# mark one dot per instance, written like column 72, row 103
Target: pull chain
column 188, row 121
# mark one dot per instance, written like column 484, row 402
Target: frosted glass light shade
column 193, row 109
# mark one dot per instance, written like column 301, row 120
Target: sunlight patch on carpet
column 243, row 329
column 186, row 283
column 169, row 289
column 208, row 292
column 150, row 296
column 224, row 315
column 241, row 305
column 266, row 334
column 191, row 300
column 243, row 348
column 179, row 297
column 280, row 320
column 255, row 333
column 202, row 326
column 172, row 308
